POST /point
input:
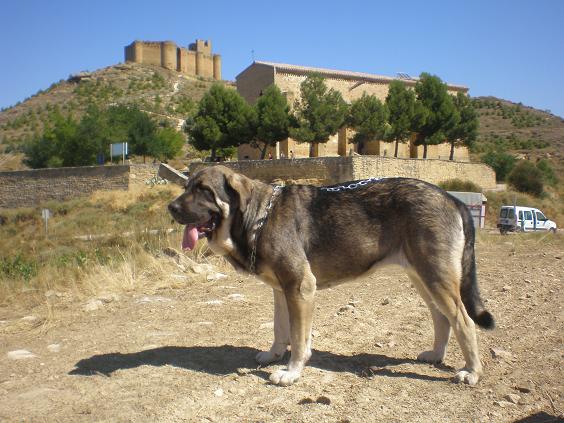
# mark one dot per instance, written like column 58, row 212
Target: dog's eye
column 206, row 192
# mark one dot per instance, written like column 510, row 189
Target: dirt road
column 185, row 351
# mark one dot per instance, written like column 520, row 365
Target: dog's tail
column 469, row 291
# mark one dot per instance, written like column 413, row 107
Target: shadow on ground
column 226, row 359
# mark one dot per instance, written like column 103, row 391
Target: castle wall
column 197, row 60
column 168, row 55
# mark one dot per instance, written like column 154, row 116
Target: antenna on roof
column 253, row 55
column 402, row 75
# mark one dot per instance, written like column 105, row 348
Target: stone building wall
column 333, row 170
column 259, row 75
column 29, row 188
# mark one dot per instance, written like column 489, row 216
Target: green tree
column 272, row 119
column 526, row 177
column 224, row 119
column 465, row 130
column 549, row 176
column 435, row 113
column 141, row 134
column 400, row 102
column 319, row 113
column 38, row 151
column 167, row 144
column 368, row 117
column 502, row 163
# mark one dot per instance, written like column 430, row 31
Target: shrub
column 460, row 185
column 549, row 176
column 502, row 163
column 526, row 177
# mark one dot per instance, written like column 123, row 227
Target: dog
column 301, row 238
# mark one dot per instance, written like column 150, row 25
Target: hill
column 158, row 91
column 519, row 129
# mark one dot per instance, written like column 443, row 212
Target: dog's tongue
column 190, row 237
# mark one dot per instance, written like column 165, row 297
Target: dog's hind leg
column 299, row 298
column 440, row 324
column 281, row 331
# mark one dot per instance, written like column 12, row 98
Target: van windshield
column 507, row 213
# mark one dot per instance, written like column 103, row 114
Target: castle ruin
column 196, row 60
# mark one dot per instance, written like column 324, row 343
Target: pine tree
column 400, row 102
column 318, row 114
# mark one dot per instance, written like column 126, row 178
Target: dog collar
column 260, row 224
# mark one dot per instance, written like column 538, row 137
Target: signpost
column 46, row 215
column 119, row 149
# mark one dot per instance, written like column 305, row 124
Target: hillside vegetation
column 521, row 130
column 164, row 94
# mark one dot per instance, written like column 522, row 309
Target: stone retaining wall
column 29, row 188
column 332, row 170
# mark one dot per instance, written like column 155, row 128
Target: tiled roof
column 339, row 74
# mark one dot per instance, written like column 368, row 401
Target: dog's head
column 210, row 199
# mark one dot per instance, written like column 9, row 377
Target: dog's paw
column 464, row 376
column 267, row 357
column 284, row 377
column 432, row 357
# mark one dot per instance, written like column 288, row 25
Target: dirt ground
column 186, row 352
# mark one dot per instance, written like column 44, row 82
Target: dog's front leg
column 300, row 309
column 281, row 331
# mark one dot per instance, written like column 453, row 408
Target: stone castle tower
column 196, row 60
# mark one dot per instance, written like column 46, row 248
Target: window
column 528, row 215
column 540, row 217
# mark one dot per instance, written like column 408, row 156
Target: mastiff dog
column 301, row 238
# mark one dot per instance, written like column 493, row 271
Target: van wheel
column 503, row 231
column 552, row 230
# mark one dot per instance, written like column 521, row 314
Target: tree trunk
column 263, row 152
column 425, row 150
column 451, row 151
column 213, row 152
column 396, row 149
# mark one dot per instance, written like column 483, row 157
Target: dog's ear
column 242, row 186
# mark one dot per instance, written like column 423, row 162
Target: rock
column 29, row 318
column 216, row 276
column 108, row 298
column 499, row 353
column 20, row 354
column 93, row 305
column 513, row 398
column 155, row 299
column 213, row 302
column 236, row 297
column 385, row 301
column 506, row 288
column 323, row 400
column 306, row 400
column 54, row 348
column 218, row 392
column 379, row 345
column 522, row 389
column 528, row 281
column 242, row 371
column 503, row 404
column 205, row 323
column 345, row 308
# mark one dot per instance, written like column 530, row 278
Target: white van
column 523, row 219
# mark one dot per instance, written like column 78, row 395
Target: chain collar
column 260, row 223
column 353, row 185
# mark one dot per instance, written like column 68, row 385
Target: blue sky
column 509, row 49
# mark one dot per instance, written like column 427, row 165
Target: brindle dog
column 301, row 238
